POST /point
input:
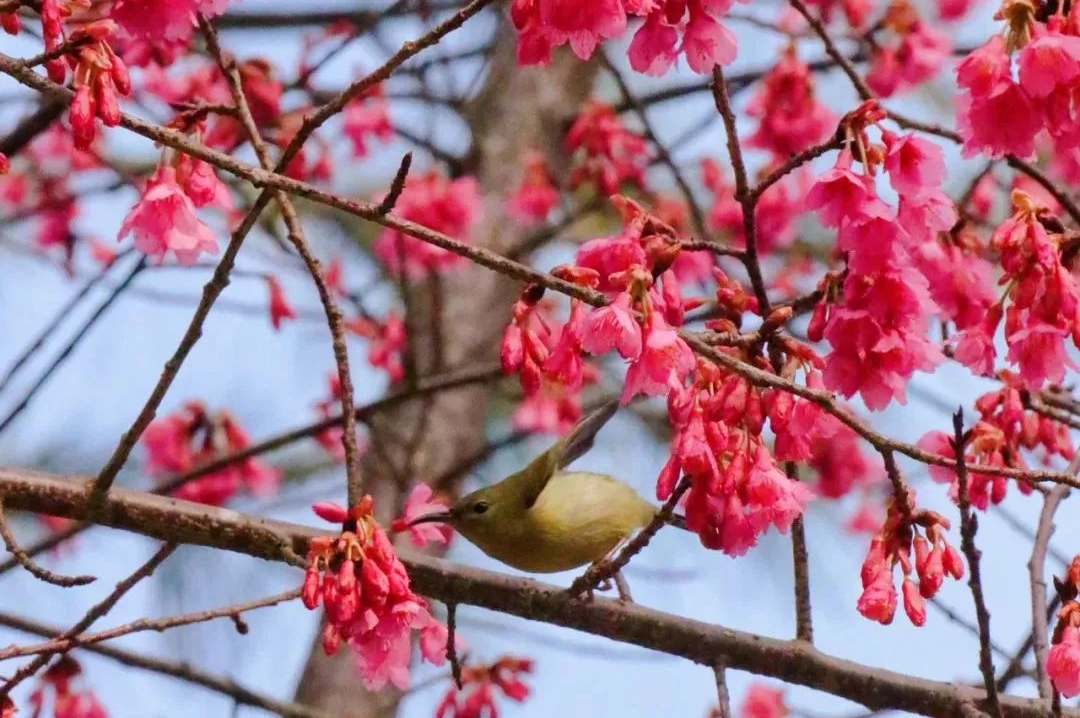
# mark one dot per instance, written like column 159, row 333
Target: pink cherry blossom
column 419, row 503
column 840, row 194
column 665, row 360
column 913, row 163
column 706, row 42
column 1063, row 662
column 448, row 206
column 164, row 220
column 612, row 327
column 761, row 701
column 280, row 309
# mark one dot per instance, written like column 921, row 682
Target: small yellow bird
column 543, row 519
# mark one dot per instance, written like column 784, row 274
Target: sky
column 271, row 380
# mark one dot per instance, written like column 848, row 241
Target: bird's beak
column 439, row 517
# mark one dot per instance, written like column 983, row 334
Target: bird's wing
column 581, row 438
column 571, row 447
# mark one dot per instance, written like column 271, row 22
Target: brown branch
column 19, row 556
column 969, row 526
column 451, row 645
column 792, row 661
column 397, row 186
column 334, row 317
column 76, row 639
column 94, row 613
column 723, row 698
column 492, row 260
column 747, row 201
column 442, row 382
column 800, row 557
column 1036, row 569
column 831, row 50
column 240, row 694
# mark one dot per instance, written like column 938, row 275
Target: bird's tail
column 678, row 522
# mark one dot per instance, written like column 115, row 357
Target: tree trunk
column 456, row 322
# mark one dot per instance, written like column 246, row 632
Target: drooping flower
column 363, row 586
column 665, row 360
column 1063, row 662
column 164, row 220
column 280, row 309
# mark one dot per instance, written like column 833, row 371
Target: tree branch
column 792, row 661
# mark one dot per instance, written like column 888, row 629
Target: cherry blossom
column 361, row 583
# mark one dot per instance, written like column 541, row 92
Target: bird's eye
column 480, row 507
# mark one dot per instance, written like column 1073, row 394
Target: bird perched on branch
column 543, row 519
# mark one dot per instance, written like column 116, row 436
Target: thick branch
column 792, row 661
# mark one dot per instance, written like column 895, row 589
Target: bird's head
column 484, row 512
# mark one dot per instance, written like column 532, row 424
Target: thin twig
column 969, row 526
column 68, row 641
column 183, row 671
column 39, row 572
column 1036, row 569
column 334, row 317
column 96, row 611
column 397, row 186
column 723, row 698
column 747, row 201
column 69, row 347
column 804, row 621
column 451, row 644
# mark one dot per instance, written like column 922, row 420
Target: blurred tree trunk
column 458, row 322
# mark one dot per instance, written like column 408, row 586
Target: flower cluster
column 448, row 206
column 547, row 358
column 1043, row 299
column 61, row 679
column 915, row 51
column 361, row 583
column 736, row 490
column 387, row 342
column 1063, row 659
column 476, row 697
column 1037, row 96
column 367, row 117
column 537, row 195
column 878, row 324
column 192, row 437
column 892, row 547
column 40, row 186
column 608, row 154
column 1006, row 429
column 790, row 119
column 671, row 28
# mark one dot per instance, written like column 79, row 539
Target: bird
column 545, row 520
